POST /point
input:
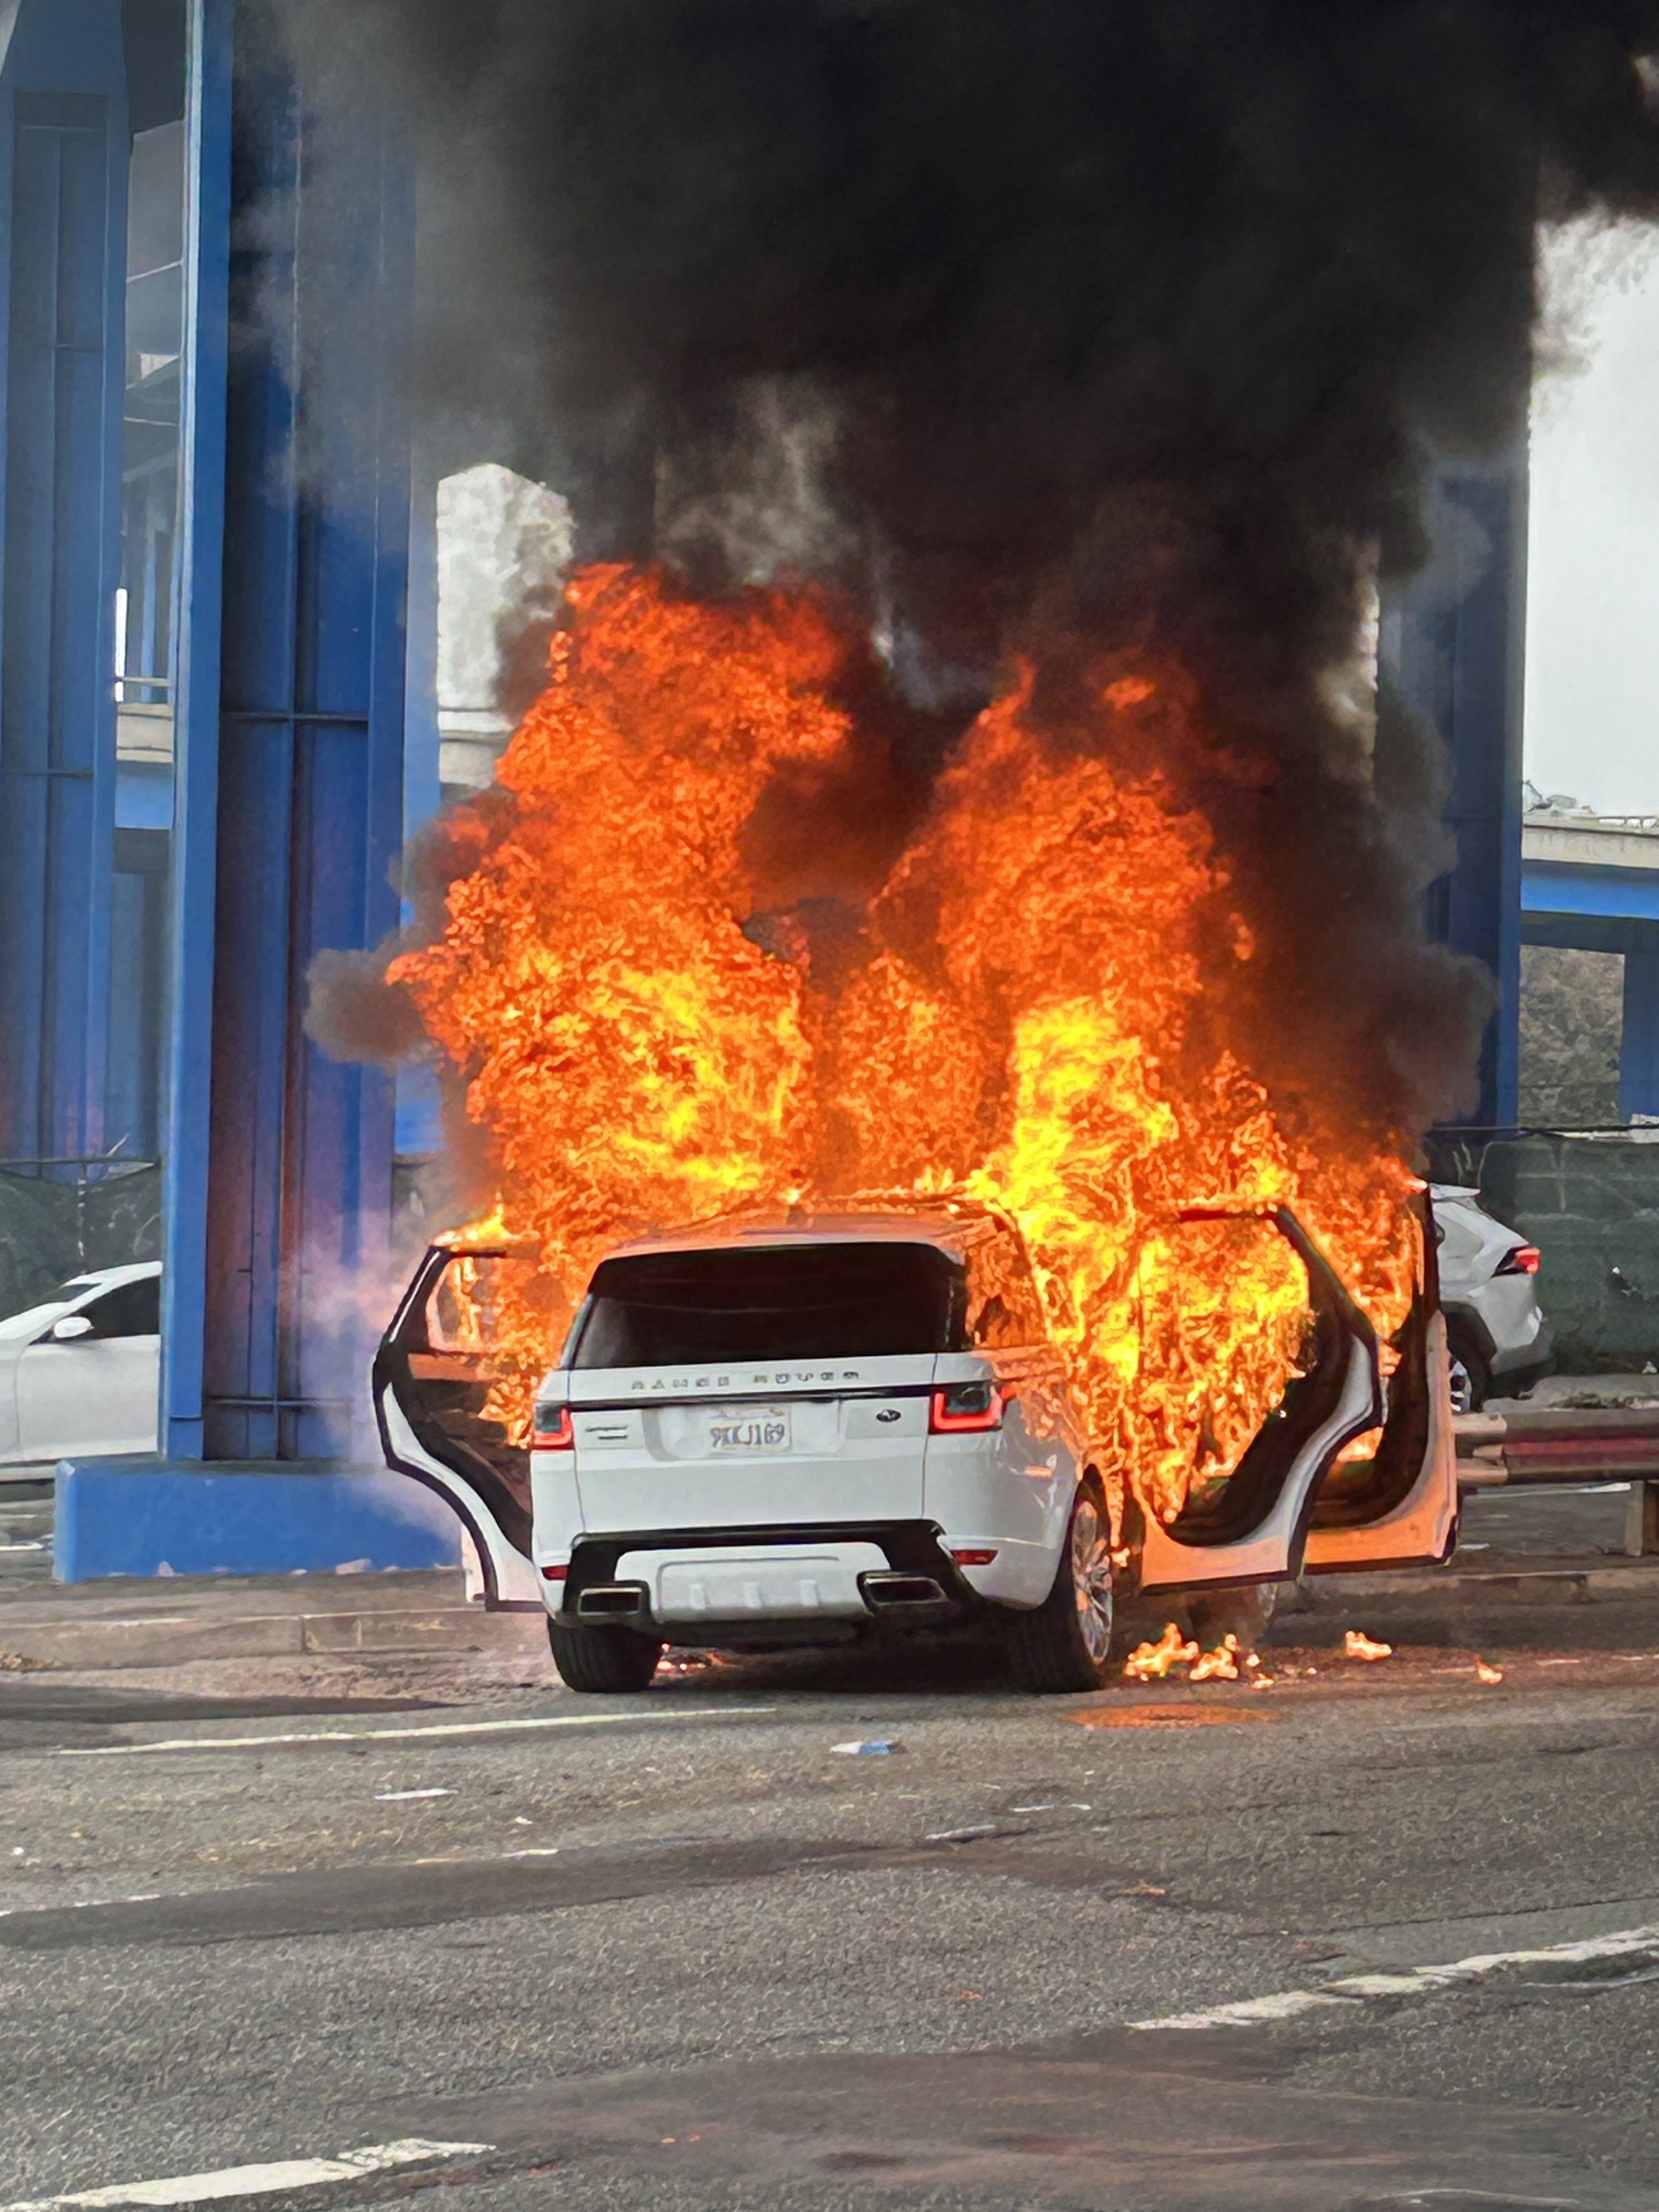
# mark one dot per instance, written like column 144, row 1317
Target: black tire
column 1471, row 1377
column 1066, row 1643
column 610, row 1660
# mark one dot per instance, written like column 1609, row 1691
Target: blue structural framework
column 1599, row 908
column 310, row 768
column 63, row 141
column 1453, row 648
column 286, row 681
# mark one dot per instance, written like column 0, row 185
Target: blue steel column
column 1453, row 644
column 310, row 761
column 188, row 1128
column 1638, row 1046
column 63, row 213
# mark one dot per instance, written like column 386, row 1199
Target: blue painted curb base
column 153, row 1516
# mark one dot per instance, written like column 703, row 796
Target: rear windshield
column 778, row 1301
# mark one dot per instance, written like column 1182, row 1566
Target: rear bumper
column 726, row 1586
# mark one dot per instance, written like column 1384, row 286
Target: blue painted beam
column 187, row 1124
column 311, row 737
column 1453, row 648
column 63, row 151
column 1559, row 887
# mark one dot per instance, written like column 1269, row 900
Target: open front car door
column 454, row 1399
column 1354, row 1468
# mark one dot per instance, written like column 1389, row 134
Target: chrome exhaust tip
column 890, row 1592
column 611, row 1601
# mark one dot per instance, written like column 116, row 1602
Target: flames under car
column 804, row 1429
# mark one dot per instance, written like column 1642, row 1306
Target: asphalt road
column 681, row 1951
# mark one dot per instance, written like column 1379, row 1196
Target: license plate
column 734, row 1435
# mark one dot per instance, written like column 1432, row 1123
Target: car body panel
column 1511, row 1329
column 1421, row 1528
column 97, row 1393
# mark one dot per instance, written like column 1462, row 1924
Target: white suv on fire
column 790, row 1431
column 795, row 1430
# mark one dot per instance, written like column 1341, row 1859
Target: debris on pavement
column 1485, row 1672
column 1358, row 1645
column 874, row 1747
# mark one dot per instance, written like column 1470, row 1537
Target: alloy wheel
column 1092, row 1579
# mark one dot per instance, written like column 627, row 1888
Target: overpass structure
column 1591, row 882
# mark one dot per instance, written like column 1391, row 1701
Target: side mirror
column 70, row 1327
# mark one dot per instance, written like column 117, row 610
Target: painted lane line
column 257, row 2180
column 1409, row 1981
column 398, row 1735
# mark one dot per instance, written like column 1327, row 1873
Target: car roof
column 952, row 1232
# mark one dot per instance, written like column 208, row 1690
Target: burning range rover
column 1049, row 1250
column 811, row 1426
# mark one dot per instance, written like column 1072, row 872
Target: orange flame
column 1031, row 1012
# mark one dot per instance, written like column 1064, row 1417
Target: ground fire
column 666, row 1008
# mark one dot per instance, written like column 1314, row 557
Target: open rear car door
column 1355, row 1467
column 453, row 1405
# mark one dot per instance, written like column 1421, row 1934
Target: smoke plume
column 1031, row 329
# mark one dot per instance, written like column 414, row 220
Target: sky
column 1592, row 673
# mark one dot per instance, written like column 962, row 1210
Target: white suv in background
column 1495, row 1328
column 800, row 1430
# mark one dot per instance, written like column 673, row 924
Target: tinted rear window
column 778, row 1301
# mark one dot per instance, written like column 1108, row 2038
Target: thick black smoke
column 1092, row 321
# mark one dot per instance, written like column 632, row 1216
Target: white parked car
column 791, row 1430
column 81, row 1373
column 1495, row 1327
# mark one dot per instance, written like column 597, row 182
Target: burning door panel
column 1391, row 1499
column 1347, row 1472
column 1245, row 1513
column 452, row 1400
column 1414, row 1523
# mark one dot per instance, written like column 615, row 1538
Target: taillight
column 554, row 1574
column 1519, row 1259
column 961, row 1408
column 551, row 1429
column 973, row 1558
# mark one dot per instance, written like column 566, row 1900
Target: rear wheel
column 1470, row 1376
column 612, row 1661
column 1066, row 1643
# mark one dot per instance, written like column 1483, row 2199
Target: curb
column 167, row 1640
column 449, row 1631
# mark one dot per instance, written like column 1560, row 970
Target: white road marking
column 1410, row 1982
column 256, row 2180
column 402, row 1797
column 395, row 1735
